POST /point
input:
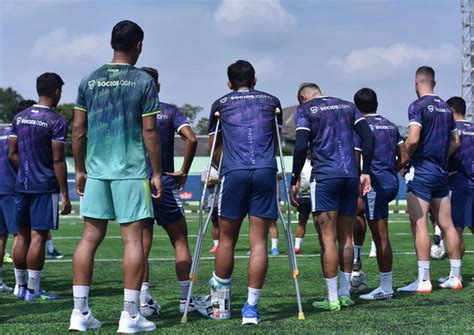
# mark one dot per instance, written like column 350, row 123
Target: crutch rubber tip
column 277, row 111
column 300, row 316
column 193, row 277
column 184, row 319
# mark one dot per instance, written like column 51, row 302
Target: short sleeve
column 179, row 120
column 150, row 100
column 301, row 119
column 358, row 116
column 357, row 142
column 81, row 98
column 414, row 116
column 59, row 129
column 212, row 119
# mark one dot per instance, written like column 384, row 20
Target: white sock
column 80, row 295
column 216, row 242
column 423, row 270
column 372, row 245
column 49, row 246
column 331, row 284
column 455, row 267
column 357, row 251
column 437, row 231
column 21, row 277
column 274, row 243
column 298, row 241
column 34, row 278
column 345, row 277
column 253, row 296
column 145, row 295
column 184, row 284
column 225, row 281
column 131, row 299
column 441, row 243
column 386, row 281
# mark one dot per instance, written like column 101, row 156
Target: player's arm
column 190, row 146
column 402, row 156
column 299, row 158
column 151, row 139
column 60, row 170
column 368, row 144
column 413, row 139
column 79, row 139
column 357, row 159
column 13, row 151
column 454, row 143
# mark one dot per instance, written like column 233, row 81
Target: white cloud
column 387, row 60
column 244, row 18
column 60, row 45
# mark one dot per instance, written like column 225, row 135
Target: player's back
column 7, row 172
column 248, row 125
column 331, row 123
column 35, row 128
column 116, row 97
column 462, row 161
column 383, row 170
column 434, row 117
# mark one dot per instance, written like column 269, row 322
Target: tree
column 67, row 110
column 191, row 112
column 202, row 126
column 9, row 99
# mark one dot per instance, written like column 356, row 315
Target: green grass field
column 443, row 311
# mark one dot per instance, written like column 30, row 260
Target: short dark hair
column 458, row 104
column 366, row 100
column 24, row 104
column 427, row 72
column 125, row 35
column 48, row 83
column 241, row 74
column 152, row 72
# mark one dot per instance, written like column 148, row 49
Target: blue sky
column 341, row 45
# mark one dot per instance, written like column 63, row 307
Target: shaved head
column 425, row 75
column 307, row 91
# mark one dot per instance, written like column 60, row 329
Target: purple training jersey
column 434, row 117
column 247, row 124
column 7, row 172
column 331, row 122
column 461, row 163
column 35, row 128
column 383, row 169
column 170, row 121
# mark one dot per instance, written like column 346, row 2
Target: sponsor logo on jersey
column 162, row 116
column 30, row 122
column 223, row 100
column 250, row 96
column 110, row 83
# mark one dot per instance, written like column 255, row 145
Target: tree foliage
column 202, row 126
column 9, row 99
column 191, row 112
column 67, row 110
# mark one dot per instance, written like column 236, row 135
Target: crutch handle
column 193, row 277
column 217, row 114
column 277, row 111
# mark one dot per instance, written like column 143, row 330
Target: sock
column 386, row 281
column 145, row 295
column 455, row 267
column 345, row 277
column 298, row 241
column 357, row 251
column 216, row 242
column 423, row 270
column 49, row 246
column 184, row 284
column 21, row 277
column 253, row 296
column 80, row 295
column 131, row 299
column 372, row 245
column 331, row 284
column 437, row 231
column 227, row 281
column 274, row 243
column 441, row 243
column 34, row 278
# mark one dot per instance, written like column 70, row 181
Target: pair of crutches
column 203, row 227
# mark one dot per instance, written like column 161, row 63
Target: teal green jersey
column 116, row 97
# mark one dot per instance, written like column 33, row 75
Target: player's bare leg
column 148, row 306
column 359, row 229
column 258, row 260
column 300, row 232
column 274, row 237
column 228, row 236
column 19, row 253
column 3, row 242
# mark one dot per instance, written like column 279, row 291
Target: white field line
column 211, row 258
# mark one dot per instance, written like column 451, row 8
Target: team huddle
column 346, row 160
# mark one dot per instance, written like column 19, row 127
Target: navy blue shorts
column 37, row 211
column 376, row 203
column 250, row 192
column 8, row 223
column 169, row 209
column 426, row 186
column 462, row 207
column 335, row 194
column 304, row 208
